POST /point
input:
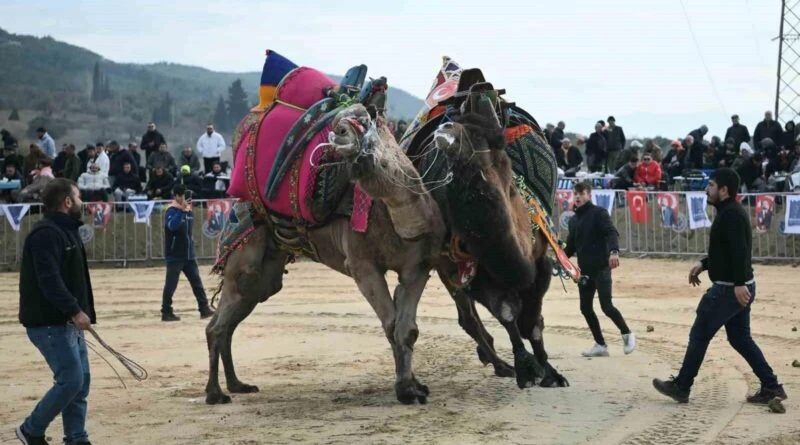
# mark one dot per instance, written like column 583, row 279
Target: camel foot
column 242, row 388
column 529, row 371
column 409, row 391
column 503, row 369
column 553, row 379
column 217, row 398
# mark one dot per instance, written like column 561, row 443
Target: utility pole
column 787, row 90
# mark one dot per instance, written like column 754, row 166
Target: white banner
column 697, row 202
column 604, row 199
column 142, row 211
column 792, row 217
column 15, row 213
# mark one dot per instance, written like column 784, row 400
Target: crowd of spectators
column 107, row 171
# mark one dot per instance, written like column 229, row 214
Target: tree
column 221, row 121
column 237, row 103
column 14, row 116
column 162, row 115
column 97, row 82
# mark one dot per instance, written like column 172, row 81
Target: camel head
column 483, row 205
column 349, row 132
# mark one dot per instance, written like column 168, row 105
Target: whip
column 137, row 371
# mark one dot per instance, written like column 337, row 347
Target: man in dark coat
column 768, row 128
column 738, row 132
column 151, row 140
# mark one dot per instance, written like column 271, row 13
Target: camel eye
column 341, row 131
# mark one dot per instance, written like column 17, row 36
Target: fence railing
column 659, row 224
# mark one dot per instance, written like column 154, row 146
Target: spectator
column 648, row 172
column 738, row 132
column 46, row 143
column 164, row 158
column 215, row 182
column 31, row 162
column 729, row 153
column 210, row 145
column 190, row 180
column 767, row 128
column 625, row 175
column 651, row 148
column 788, row 137
column 675, row 159
column 40, row 177
column 745, row 152
column 714, row 154
column 548, row 132
column 8, row 139
column 188, row 157
column 126, row 183
column 615, row 143
column 769, row 149
column 10, row 156
column 119, row 157
column 568, row 158
column 596, row 149
column 795, row 158
column 402, row 126
column 10, row 173
column 781, row 164
column 160, row 184
column 151, row 141
column 94, row 185
column 557, row 136
column 59, row 161
column 102, row 160
column 72, row 163
column 752, row 174
column 632, row 151
column 87, row 155
column 696, row 147
column 133, row 149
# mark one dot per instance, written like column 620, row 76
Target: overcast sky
column 576, row 60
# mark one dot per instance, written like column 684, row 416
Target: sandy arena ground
column 326, row 373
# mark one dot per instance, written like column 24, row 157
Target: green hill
column 80, row 94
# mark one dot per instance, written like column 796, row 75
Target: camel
column 405, row 235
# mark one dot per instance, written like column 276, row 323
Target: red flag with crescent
column 637, row 203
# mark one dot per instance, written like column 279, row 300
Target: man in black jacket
column 593, row 237
column 738, row 132
column 727, row 302
column 55, row 306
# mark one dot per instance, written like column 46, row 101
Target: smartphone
column 188, row 196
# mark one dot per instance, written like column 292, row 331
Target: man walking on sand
column 593, row 237
column 727, row 302
column 55, row 306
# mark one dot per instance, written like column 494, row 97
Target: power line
column 702, row 59
column 755, row 34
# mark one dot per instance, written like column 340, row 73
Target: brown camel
column 405, row 235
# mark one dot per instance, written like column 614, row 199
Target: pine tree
column 162, row 115
column 237, row 103
column 221, row 121
column 14, row 116
column 97, row 82
column 106, row 89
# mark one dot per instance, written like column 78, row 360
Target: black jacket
column 730, row 245
column 764, row 129
column 118, row 160
column 615, row 138
column 592, row 236
column 130, row 180
column 571, row 159
column 54, row 282
column 739, row 133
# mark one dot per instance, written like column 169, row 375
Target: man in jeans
column 594, row 238
column 727, row 302
column 179, row 254
column 55, row 306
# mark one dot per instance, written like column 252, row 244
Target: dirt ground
column 325, row 370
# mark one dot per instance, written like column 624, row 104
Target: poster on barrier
column 101, row 213
column 604, row 199
column 15, row 213
column 637, row 204
column 765, row 211
column 142, row 211
column 698, row 216
column 792, row 218
column 566, row 201
column 214, row 222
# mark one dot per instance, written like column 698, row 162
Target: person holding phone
column 179, row 254
column 56, row 305
column 727, row 302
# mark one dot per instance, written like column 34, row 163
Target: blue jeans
column 719, row 308
column 64, row 349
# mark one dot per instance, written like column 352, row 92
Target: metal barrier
column 115, row 236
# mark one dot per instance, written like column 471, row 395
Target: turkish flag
column 637, row 203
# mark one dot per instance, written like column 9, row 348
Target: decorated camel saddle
column 456, row 90
column 283, row 172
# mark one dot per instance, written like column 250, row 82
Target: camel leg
column 469, row 320
column 251, row 276
column 406, row 299
column 531, row 322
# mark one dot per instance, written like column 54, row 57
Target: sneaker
column 596, row 351
column 206, row 312
column 764, row 395
column 28, row 439
column 671, row 389
column 628, row 342
column 170, row 317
